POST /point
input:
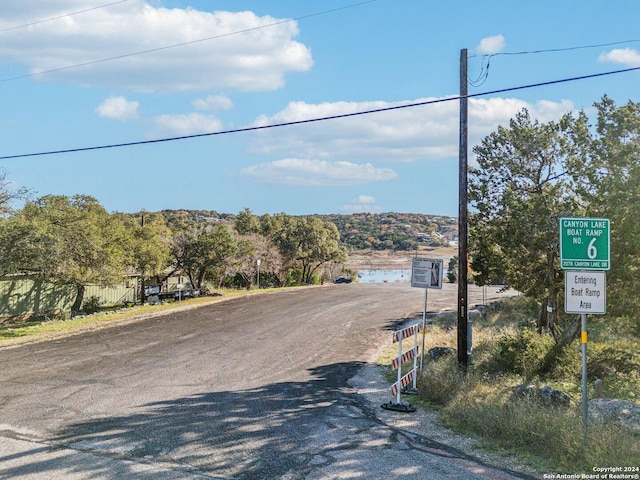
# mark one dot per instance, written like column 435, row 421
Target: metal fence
column 25, row 295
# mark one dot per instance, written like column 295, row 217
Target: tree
column 69, row 241
column 206, row 253
column 306, row 243
column 247, row 223
column 252, row 248
column 452, row 269
column 611, row 181
column 522, row 185
column 149, row 244
column 8, row 194
column 319, row 243
column 486, row 264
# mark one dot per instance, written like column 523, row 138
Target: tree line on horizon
column 75, row 241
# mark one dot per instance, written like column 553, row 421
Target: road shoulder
column 424, row 428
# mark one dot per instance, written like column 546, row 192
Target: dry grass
column 481, row 403
column 556, row 437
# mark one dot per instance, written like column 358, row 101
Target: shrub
column 618, row 366
column 92, row 304
column 522, row 352
column 294, row 277
column 606, row 360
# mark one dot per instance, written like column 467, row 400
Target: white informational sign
column 585, row 291
column 427, row 272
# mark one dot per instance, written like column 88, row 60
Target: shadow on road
column 257, row 433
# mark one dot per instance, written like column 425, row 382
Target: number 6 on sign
column 592, row 251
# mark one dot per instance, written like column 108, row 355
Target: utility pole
column 142, row 272
column 463, row 347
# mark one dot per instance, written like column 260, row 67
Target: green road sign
column 584, row 244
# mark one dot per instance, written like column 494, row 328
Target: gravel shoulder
column 425, row 427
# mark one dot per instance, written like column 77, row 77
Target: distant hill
column 393, row 231
column 358, row 231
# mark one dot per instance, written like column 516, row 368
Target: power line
column 60, row 16
column 484, row 69
column 320, row 119
column 191, row 42
column 566, row 49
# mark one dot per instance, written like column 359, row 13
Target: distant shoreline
column 397, row 260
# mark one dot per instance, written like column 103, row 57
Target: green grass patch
column 62, row 325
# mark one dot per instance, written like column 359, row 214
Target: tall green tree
column 523, row 183
column 148, row 246
column 611, row 181
column 69, row 241
column 306, row 243
column 247, row 223
column 206, row 253
column 318, row 244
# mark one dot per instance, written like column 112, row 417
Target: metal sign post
column 426, row 273
column 585, row 292
column 424, row 327
column 584, row 254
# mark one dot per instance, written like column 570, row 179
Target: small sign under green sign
column 584, row 244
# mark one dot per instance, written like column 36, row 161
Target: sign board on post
column 584, row 244
column 584, row 247
column 427, row 273
column 585, row 292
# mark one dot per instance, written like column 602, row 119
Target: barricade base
column 399, row 407
column 409, row 391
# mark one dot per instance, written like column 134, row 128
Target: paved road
column 253, row 387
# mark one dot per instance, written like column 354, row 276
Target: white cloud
column 491, row 45
column 255, row 60
column 213, row 102
column 626, row 56
column 117, row 108
column 428, row 132
column 316, row 173
column 188, row 124
column 364, row 203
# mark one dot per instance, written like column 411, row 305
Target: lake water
column 384, row 276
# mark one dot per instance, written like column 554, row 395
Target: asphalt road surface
column 255, row 387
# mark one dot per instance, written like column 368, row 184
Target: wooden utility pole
column 463, row 347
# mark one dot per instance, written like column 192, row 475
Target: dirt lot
column 390, row 260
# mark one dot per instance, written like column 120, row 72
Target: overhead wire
column 182, row 44
column 484, row 70
column 483, row 75
column 566, row 49
column 44, row 20
column 320, row 119
column 480, row 80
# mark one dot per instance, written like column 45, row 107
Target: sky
column 79, row 74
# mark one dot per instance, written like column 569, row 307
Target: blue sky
column 242, row 64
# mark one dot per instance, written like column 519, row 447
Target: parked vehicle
column 342, row 280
